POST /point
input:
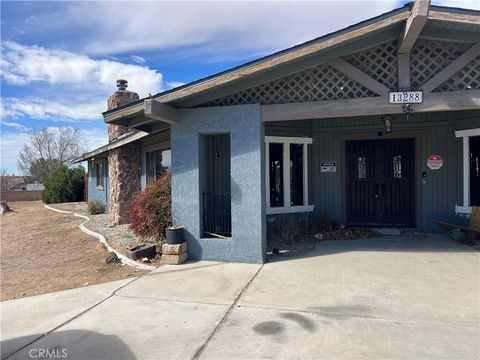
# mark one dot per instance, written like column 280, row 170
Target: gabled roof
column 102, row 151
column 458, row 19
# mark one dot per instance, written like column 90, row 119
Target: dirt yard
column 44, row 251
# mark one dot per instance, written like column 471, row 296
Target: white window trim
column 286, row 141
column 466, row 134
column 101, row 165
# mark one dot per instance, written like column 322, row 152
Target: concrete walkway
column 394, row 297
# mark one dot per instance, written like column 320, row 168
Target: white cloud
column 67, row 109
column 173, row 84
column 11, row 144
column 137, row 59
column 14, row 125
column 22, row 65
column 220, row 29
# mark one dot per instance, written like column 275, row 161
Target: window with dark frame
column 286, row 174
column 296, row 174
column 156, row 164
column 276, row 174
column 99, row 173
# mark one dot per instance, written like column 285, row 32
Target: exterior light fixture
column 387, row 122
column 407, row 108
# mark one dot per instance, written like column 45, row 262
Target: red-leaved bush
column 151, row 210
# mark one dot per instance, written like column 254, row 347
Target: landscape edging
column 125, row 260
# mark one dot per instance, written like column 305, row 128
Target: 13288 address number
column 405, row 97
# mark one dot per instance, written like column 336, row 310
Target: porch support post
column 466, row 171
column 404, row 71
column 413, row 26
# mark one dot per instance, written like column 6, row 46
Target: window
column 397, row 167
column 362, row 167
column 286, row 161
column 99, row 174
column 156, row 163
column 471, row 170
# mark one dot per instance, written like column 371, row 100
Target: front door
column 381, row 182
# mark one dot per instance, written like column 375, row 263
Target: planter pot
column 141, row 251
column 175, row 235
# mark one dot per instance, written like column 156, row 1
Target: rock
column 174, row 249
column 174, row 259
column 4, row 207
column 112, row 258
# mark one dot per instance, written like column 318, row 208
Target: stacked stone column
column 174, row 254
column 123, row 162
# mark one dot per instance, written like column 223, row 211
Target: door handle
column 376, row 196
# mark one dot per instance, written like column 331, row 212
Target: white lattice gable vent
column 429, row 57
column 466, row 79
column 379, row 62
column 318, row 83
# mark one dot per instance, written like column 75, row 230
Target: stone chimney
column 123, row 162
column 119, row 98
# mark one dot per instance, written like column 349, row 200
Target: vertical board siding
column 434, row 135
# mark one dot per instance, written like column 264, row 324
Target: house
column 377, row 124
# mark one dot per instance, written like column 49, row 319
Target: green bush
column 96, row 207
column 65, row 185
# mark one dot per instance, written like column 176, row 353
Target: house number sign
column 405, row 97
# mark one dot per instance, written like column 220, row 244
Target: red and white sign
column 434, row 162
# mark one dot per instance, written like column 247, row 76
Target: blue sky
column 60, row 60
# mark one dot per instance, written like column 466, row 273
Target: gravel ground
column 120, row 237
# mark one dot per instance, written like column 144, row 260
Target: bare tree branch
column 48, row 149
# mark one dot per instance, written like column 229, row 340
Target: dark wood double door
column 381, row 182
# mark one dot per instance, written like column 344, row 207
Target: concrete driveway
column 394, row 297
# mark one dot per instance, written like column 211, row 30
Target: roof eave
column 292, row 54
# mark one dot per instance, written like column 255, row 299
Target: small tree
column 48, row 149
column 151, row 210
column 65, row 185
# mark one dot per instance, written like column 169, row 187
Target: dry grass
column 44, row 251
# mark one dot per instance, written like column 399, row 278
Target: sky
column 60, row 59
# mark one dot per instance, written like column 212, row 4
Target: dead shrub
column 287, row 229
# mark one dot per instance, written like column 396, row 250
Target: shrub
column 96, row 207
column 287, row 228
column 151, row 210
column 64, row 185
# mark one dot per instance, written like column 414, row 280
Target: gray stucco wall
column 434, row 134
column 243, row 123
column 95, row 193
